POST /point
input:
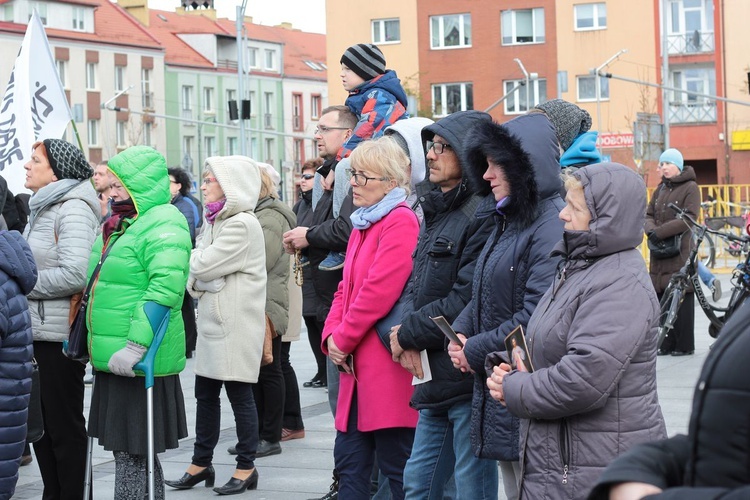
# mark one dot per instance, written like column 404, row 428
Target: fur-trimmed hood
column 527, row 149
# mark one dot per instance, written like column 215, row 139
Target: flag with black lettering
column 34, row 105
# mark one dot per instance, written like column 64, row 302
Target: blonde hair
column 267, row 186
column 570, row 181
column 384, row 157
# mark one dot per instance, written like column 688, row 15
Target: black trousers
column 292, row 409
column 188, row 318
column 61, row 453
column 269, row 397
column 208, row 420
column 682, row 336
column 314, row 333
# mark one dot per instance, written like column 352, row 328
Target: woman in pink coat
column 373, row 413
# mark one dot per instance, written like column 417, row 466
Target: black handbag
column 666, row 248
column 76, row 347
column 35, row 421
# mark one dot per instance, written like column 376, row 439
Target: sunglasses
column 307, row 177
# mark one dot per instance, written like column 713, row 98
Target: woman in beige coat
column 226, row 269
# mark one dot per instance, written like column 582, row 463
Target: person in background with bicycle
column 678, row 186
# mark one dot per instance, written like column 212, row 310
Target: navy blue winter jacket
column 17, row 278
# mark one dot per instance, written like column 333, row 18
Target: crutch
column 158, row 316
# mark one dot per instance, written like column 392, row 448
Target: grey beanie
column 569, row 120
column 365, row 59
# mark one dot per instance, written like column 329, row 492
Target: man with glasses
column 449, row 242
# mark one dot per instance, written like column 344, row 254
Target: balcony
column 694, row 42
column 692, row 112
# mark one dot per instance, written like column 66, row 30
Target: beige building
column 390, row 24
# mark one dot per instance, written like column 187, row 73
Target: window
column 269, row 150
column 187, row 101
column 251, row 98
column 8, row 13
column 315, row 106
column 61, row 71
column 210, row 142
column 270, row 60
column 297, row 112
column 187, row 147
column 299, row 154
column 268, row 108
column 93, row 132
column 688, row 106
column 386, row 31
column 78, row 14
column 90, row 76
column 690, row 26
column 119, row 78
column 450, row 31
column 121, row 133
column 147, row 129
column 516, row 101
column 448, row 98
column 252, row 58
column 587, row 88
column 208, row 100
column 232, row 146
column 148, row 95
column 590, row 16
column 522, row 26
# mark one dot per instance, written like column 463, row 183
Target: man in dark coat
column 450, row 240
column 17, row 278
column 519, row 159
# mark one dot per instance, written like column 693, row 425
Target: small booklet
column 426, row 371
column 445, row 327
column 518, row 351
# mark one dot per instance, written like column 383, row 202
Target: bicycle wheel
column 706, row 251
column 669, row 306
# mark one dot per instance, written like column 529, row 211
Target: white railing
column 692, row 42
column 693, row 112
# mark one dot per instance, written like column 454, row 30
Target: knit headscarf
column 66, row 160
column 569, row 120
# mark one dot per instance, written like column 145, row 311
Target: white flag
column 34, row 105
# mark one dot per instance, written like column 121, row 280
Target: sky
column 307, row 15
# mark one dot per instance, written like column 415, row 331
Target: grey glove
column 122, row 362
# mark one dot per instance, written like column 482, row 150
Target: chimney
column 286, row 26
column 198, row 7
column 136, row 8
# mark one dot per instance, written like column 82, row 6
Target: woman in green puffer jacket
column 148, row 245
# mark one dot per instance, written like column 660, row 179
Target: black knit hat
column 66, row 160
column 365, row 60
column 569, row 120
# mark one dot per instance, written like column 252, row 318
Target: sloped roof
column 111, row 23
column 166, row 26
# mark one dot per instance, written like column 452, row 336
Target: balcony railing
column 692, row 112
column 693, row 42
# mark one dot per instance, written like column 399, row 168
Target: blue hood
column 388, row 81
column 17, row 261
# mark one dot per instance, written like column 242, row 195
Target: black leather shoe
column 266, row 448
column 319, row 383
column 312, row 382
column 235, row 486
column 682, row 353
column 232, row 450
column 663, row 352
column 187, row 481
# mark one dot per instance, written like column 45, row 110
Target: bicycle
column 681, row 281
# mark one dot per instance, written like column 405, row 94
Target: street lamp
column 528, row 76
column 599, row 90
column 239, row 25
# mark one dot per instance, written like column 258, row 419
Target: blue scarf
column 364, row 217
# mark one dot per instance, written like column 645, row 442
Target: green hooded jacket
column 149, row 262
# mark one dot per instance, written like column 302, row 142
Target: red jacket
column 378, row 265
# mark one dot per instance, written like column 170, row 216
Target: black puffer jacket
column 514, row 269
column 450, row 240
column 17, row 278
column 325, row 234
column 713, row 460
column 303, row 210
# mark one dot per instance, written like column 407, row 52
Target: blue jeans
column 442, row 447
column 333, row 385
column 705, row 275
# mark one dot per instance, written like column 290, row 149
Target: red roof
column 166, row 26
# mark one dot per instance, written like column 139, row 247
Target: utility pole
column 665, row 70
column 239, row 25
column 528, row 76
column 599, row 90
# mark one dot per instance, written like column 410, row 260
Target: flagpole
column 78, row 137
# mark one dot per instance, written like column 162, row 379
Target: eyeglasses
column 437, row 147
column 307, row 177
column 322, row 129
column 208, row 180
column 173, row 182
column 361, row 179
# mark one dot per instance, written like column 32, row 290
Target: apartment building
column 100, row 51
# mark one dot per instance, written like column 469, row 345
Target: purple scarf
column 213, row 209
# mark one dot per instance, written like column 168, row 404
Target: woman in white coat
column 226, row 269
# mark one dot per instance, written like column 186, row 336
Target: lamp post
column 239, row 25
column 598, row 83
column 528, row 76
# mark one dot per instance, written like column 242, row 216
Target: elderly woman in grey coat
column 592, row 394
column 61, row 232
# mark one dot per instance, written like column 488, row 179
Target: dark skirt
column 118, row 413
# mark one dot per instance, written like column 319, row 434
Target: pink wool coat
column 378, row 265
